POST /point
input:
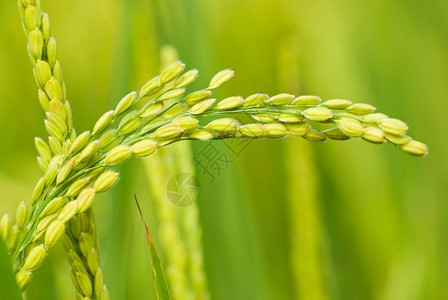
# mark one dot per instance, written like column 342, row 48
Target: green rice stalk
column 162, row 130
column 81, row 244
column 192, row 228
column 111, row 144
column 179, row 228
column 48, row 74
column 306, row 240
column 171, row 239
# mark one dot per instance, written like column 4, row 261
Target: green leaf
column 160, row 283
column 8, row 285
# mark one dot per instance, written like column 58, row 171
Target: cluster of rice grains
column 76, row 167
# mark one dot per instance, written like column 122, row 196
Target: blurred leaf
column 161, row 286
column 8, row 286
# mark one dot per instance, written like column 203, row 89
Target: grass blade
column 161, row 286
column 8, row 285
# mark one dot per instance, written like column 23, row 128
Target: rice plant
column 164, row 111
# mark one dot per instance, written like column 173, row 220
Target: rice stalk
column 171, row 238
column 77, row 166
column 192, row 228
column 42, row 48
column 81, row 244
column 179, row 227
column 306, row 240
column 162, row 129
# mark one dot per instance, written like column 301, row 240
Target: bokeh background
column 286, row 219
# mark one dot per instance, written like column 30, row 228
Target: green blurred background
column 286, row 219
